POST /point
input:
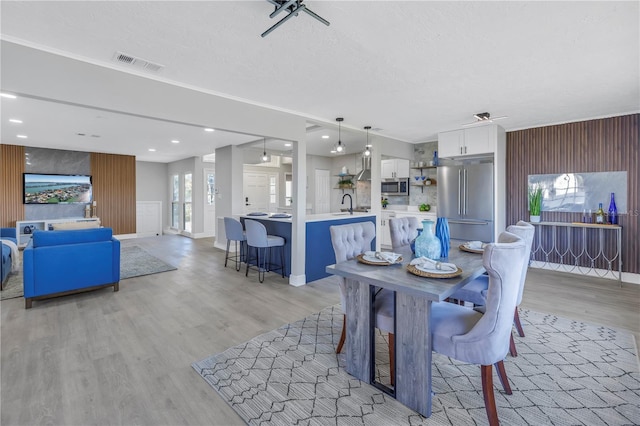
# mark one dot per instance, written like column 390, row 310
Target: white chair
column 470, row 336
column 258, row 239
column 475, row 292
column 234, row 232
column 348, row 242
column 403, row 230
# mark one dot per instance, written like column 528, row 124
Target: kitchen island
column 318, row 248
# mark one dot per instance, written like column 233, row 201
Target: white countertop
column 313, row 217
column 336, row 216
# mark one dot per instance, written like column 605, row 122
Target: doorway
column 209, row 213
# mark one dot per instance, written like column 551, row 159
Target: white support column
column 298, row 225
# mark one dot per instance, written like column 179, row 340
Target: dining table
column 414, row 296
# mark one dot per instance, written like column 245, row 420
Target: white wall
column 151, row 185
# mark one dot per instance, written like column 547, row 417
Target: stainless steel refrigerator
column 465, row 198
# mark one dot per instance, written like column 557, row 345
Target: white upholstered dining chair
column 349, row 241
column 475, row 292
column 483, row 338
column 403, row 230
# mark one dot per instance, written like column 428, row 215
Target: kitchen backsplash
column 429, row 194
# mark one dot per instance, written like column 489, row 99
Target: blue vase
column 427, row 244
column 413, row 242
column 442, row 233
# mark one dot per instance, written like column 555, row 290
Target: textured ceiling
column 411, row 69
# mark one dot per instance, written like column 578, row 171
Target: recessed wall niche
column 55, row 161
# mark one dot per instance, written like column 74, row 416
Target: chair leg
column 246, row 274
column 516, row 320
column 512, row 346
column 502, row 375
column 343, row 335
column 226, row 254
column 489, row 397
column 392, row 359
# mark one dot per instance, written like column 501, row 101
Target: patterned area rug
column 134, row 262
column 566, row 373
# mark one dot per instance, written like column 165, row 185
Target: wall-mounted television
column 57, row 189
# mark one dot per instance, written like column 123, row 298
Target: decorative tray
column 415, row 271
column 257, row 214
column 281, row 215
column 369, row 260
column 470, row 250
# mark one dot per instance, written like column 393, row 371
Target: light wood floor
column 125, row 358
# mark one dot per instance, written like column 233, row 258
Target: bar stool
column 233, row 230
column 257, row 238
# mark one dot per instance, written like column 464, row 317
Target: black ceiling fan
column 293, row 7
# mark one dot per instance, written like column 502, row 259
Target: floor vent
column 140, row 63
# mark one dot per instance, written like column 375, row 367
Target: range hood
column 365, row 173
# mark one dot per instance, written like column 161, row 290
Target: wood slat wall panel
column 602, row 145
column 11, row 169
column 114, row 190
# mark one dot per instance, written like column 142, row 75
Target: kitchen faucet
column 350, row 202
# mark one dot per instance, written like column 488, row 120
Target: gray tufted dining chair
column 349, row 241
column 475, row 292
column 403, row 230
column 483, row 338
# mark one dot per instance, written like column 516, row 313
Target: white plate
column 473, row 248
column 434, row 271
column 373, row 259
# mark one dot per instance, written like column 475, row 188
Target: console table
column 576, row 252
column 44, row 225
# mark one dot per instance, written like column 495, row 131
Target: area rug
column 566, row 373
column 134, row 262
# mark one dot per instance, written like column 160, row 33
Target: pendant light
column 265, row 158
column 340, row 147
column 367, row 151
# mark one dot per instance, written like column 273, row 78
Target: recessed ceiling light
column 8, row 95
column 15, row 120
column 152, row 150
column 175, row 141
column 325, row 136
column 21, row 136
column 287, row 144
column 209, row 129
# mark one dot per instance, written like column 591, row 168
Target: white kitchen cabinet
column 385, row 234
column 474, row 141
column 396, row 168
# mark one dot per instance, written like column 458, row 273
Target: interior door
column 323, row 191
column 255, row 192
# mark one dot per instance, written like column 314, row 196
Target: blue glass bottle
column 427, row 244
column 412, row 244
column 442, row 233
column 613, row 211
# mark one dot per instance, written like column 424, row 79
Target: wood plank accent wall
column 11, row 169
column 608, row 144
column 114, row 190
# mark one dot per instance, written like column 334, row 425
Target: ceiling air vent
column 139, row 63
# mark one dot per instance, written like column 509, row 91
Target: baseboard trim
column 126, row 236
column 221, row 246
column 627, row 277
column 297, row 280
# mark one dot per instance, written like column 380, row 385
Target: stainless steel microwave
column 397, row 187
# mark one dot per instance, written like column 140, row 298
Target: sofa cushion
column 78, row 236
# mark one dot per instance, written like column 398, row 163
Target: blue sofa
column 5, row 266
column 58, row 263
